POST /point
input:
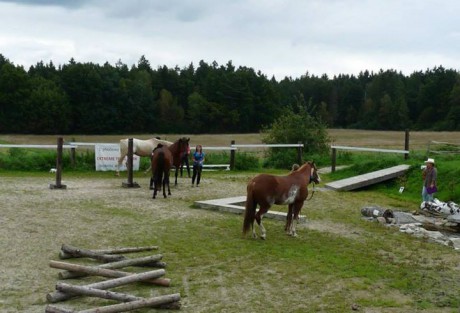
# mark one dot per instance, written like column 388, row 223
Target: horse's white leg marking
column 263, row 232
column 294, row 232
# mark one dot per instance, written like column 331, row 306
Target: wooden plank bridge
column 368, row 179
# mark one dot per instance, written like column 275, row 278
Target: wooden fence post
column 406, row 144
column 299, row 153
column 58, row 185
column 333, row 159
column 129, row 167
column 232, row 157
column 72, row 157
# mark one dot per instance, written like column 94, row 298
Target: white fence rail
column 36, row 146
column 296, row 145
column 335, row 148
column 369, row 149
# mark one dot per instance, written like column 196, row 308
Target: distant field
column 349, row 137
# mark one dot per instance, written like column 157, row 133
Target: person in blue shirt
column 198, row 160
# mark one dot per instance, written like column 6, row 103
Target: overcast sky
column 280, row 38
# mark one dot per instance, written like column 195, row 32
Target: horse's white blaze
column 291, row 194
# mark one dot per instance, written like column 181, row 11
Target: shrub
column 295, row 127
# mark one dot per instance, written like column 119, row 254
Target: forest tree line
column 88, row 98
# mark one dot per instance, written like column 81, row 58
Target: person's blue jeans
column 426, row 196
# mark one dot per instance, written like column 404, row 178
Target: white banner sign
column 107, row 158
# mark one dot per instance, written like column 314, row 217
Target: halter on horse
column 265, row 190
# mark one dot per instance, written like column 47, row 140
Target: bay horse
column 177, row 149
column 265, row 190
column 141, row 148
column 160, row 164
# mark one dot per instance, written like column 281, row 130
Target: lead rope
column 312, row 192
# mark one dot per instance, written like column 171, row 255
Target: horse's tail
column 160, row 167
column 250, row 209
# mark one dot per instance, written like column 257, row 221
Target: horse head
column 314, row 176
column 183, row 145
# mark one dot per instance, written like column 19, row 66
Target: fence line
column 86, row 143
column 370, row 149
column 36, row 146
column 428, row 150
column 335, row 148
column 296, row 145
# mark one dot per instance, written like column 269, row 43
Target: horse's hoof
column 263, row 237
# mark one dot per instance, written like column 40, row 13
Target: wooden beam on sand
column 152, row 259
column 77, row 252
column 65, row 255
column 159, row 302
column 97, row 271
column 58, row 296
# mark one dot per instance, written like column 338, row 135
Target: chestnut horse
column 161, row 163
column 265, row 190
column 177, row 149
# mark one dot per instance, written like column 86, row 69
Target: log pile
column 112, row 260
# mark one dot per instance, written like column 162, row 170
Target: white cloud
column 277, row 37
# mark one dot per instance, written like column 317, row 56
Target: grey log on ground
column 76, row 252
column 57, row 296
column 97, row 271
column 119, row 264
column 55, row 309
column 93, row 292
column 157, row 264
column 129, row 306
column 65, row 255
column 167, row 301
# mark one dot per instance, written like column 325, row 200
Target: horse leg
column 258, row 218
column 120, row 160
column 154, row 191
column 177, row 172
column 151, row 183
column 164, row 186
column 297, row 208
column 287, row 227
column 167, row 182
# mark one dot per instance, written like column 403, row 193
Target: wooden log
column 76, row 252
column 57, row 296
column 157, row 264
column 114, row 265
column 92, row 292
column 175, row 305
column 55, row 309
column 129, row 306
column 97, row 271
column 65, row 255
